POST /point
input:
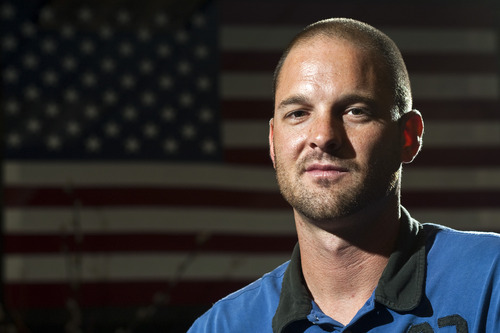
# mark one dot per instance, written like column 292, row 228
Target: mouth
column 319, row 170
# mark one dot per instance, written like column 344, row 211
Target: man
column 343, row 125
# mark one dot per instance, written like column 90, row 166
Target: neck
column 342, row 260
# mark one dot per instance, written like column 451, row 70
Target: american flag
column 136, row 168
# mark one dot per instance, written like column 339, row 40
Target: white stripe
column 71, row 174
column 222, row 177
column 455, row 86
column 243, row 85
column 246, row 134
column 235, row 178
column 204, row 221
column 66, row 221
column 451, row 179
column 462, row 219
column 269, row 38
column 150, row 266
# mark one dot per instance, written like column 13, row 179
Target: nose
column 326, row 133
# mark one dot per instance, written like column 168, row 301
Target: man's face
column 334, row 142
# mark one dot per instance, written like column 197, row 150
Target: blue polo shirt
column 438, row 280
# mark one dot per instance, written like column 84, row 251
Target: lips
column 325, row 167
column 320, row 170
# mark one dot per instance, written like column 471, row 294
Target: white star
column 85, row 14
column 128, row 81
column 201, row 51
column 146, row 66
column 53, row 142
column 184, row 67
column 109, row 97
column 112, row 129
column 48, row 45
column 186, row 99
column 126, row 49
column 144, row 34
column 9, row 43
column 91, row 111
column 14, row 140
column 30, row 61
column 47, row 14
column 50, row 78
column 130, row 113
column 166, row 82
column 89, row 79
column 108, row 64
column 28, row 29
column 7, row 11
column 73, row 128
column 161, row 19
column 69, row 63
column 150, row 130
column 208, row 147
column 199, row 20
column 71, row 95
column 148, row 98
column 206, row 115
column 31, row 92
column 170, row 146
column 132, row 145
column 163, row 50
column 123, row 16
column 87, row 46
column 105, row 32
column 182, row 36
column 52, row 110
column 68, row 31
column 204, row 83
column 93, row 144
column 10, row 75
column 12, row 106
column 188, row 131
column 33, row 125
column 168, row 114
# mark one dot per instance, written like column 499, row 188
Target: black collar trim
column 400, row 287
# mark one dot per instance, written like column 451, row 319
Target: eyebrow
column 301, row 99
column 293, row 100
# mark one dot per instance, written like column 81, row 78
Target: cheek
column 375, row 146
column 288, row 145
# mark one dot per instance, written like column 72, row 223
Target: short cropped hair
column 364, row 36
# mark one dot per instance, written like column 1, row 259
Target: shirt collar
column 400, row 287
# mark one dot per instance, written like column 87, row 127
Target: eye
column 357, row 112
column 296, row 114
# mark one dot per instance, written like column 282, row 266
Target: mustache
column 325, row 158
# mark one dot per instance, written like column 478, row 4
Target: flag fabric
column 136, row 166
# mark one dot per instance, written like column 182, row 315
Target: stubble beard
column 333, row 200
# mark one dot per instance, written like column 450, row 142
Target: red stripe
column 234, row 109
column 249, row 61
column 143, row 242
column 450, row 157
column 19, row 196
column 117, row 293
column 22, row 196
column 449, row 14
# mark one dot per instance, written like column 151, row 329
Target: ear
column 271, row 140
column 412, row 131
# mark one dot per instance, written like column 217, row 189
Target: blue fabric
column 462, row 294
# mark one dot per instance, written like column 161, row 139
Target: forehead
column 336, row 61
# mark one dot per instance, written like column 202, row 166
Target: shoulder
column 254, row 305
column 469, row 239
column 466, row 247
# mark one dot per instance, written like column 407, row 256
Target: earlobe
column 413, row 129
column 271, row 140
